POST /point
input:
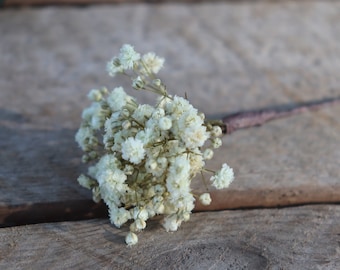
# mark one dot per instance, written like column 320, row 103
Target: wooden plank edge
column 221, row 200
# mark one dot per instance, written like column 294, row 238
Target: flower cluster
column 143, row 158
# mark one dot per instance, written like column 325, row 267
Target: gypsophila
column 144, row 158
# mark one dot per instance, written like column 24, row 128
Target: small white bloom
column 133, row 150
column 159, row 189
column 96, row 197
column 143, row 113
column 216, row 143
column 95, row 95
column 138, row 83
column 114, row 66
column 165, row 123
column 150, row 165
column 131, row 239
column 152, row 62
column 143, row 214
column 196, row 162
column 104, row 90
column 177, row 106
column 86, row 181
column 85, row 138
column 128, row 56
column 138, row 213
column 119, row 216
column 157, row 82
column 117, row 99
column 178, row 174
column 171, row 223
column 140, row 224
column 208, row 154
column 205, row 198
column 223, row 177
column 158, row 113
column 216, row 131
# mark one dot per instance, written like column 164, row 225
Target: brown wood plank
column 51, row 58
column 291, row 238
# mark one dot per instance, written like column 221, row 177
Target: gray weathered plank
column 228, row 57
column 290, row 238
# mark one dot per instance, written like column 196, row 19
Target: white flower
column 152, row 62
column 86, row 182
column 128, row 56
column 142, row 113
column 216, row 143
column 119, row 216
column 208, row 154
column 133, row 150
column 96, row 197
column 195, row 136
column 223, row 177
column 95, row 115
column 131, row 239
column 138, row 225
column 85, row 138
column 95, row 95
column 177, row 106
column 196, row 162
column 113, row 67
column 145, row 136
column 216, row 131
column 171, row 223
column 157, row 166
column 205, row 198
column 178, row 174
column 146, row 156
column 138, row 83
column 118, row 99
column 165, row 123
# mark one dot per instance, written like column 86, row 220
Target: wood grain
column 291, row 238
column 51, row 58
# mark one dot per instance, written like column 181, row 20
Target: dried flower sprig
column 144, row 157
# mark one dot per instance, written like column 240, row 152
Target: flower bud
column 131, row 239
column 157, row 82
column 138, row 83
column 165, row 123
column 95, row 95
column 205, row 198
column 216, row 142
column 208, row 154
column 216, row 131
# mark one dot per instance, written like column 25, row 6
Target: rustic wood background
column 282, row 211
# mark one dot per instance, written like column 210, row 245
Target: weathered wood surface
column 227, row 57
column 51, row 58
column 292, row 238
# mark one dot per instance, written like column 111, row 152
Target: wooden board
column 227, row 57
column 292, row 238
column 52, row 61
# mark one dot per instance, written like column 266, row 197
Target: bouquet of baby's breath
column 144, row 157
